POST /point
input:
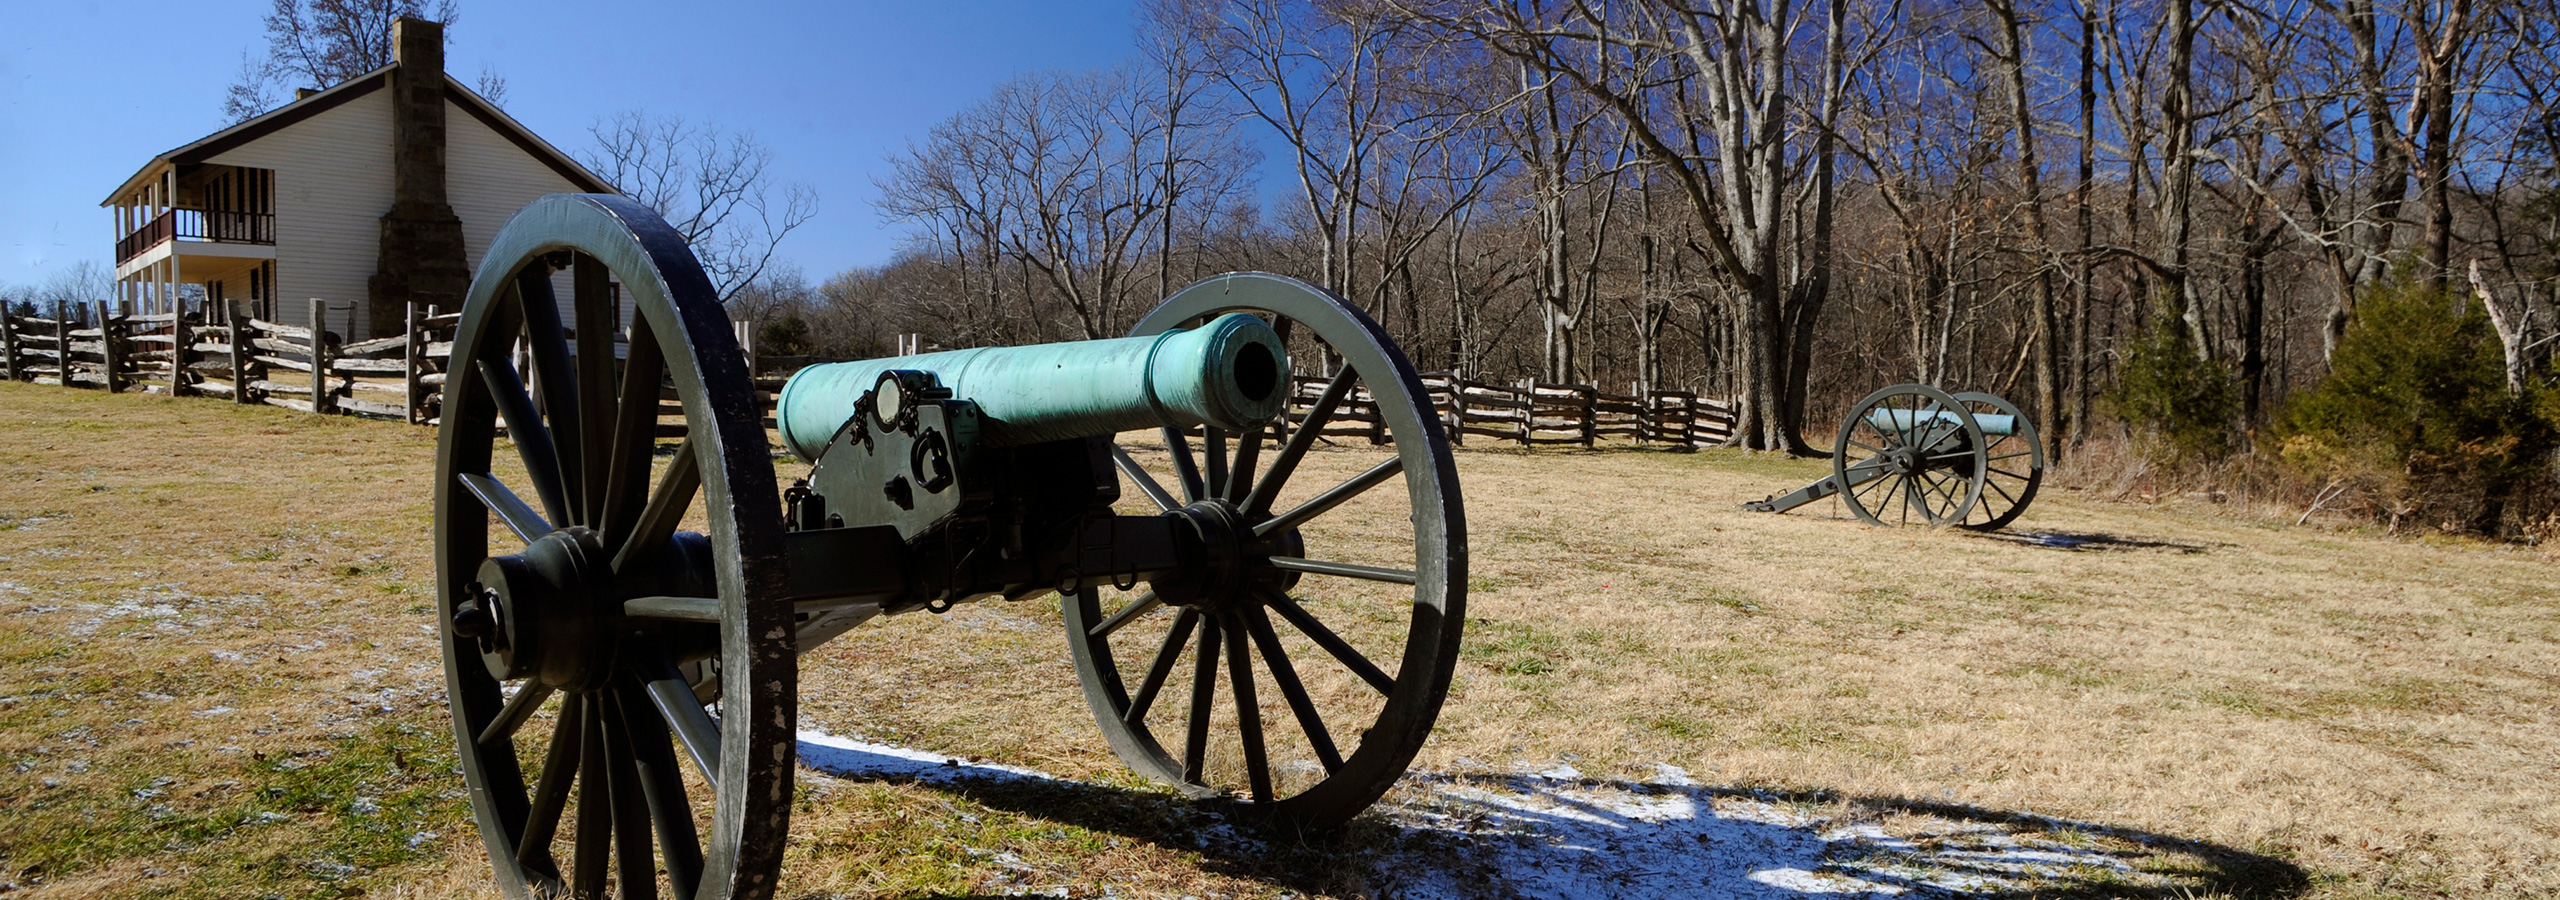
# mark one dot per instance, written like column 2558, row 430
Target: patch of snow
column 853, row 758
column 1555, row 832
column 1538, row 835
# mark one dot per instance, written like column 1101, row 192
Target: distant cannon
column 624, row 688
column 1913, row 453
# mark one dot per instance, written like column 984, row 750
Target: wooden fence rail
column 314, row 369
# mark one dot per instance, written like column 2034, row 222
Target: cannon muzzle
column 1231, row 373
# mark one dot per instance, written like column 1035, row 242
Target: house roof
column 286, row 116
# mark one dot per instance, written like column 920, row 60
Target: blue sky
column 93, row 90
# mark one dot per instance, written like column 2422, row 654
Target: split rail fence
column 1532, row 414
column 240, row 358
column 313, row 369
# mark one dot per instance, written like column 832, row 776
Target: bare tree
column 320, row 44
column 2009, row 54
column 710, row 184
column 1709, row 93
column 1072, row 180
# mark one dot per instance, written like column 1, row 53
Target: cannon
column 622, row 623
column 1912, row 452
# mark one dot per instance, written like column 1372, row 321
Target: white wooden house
column 372, row 194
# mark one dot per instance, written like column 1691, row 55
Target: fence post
column 320, row 357
column 107, row 347
column 8, row 343
column 410, row 347
column 62, row 342
column 1588, row 397
column 178, row 349
column 1457, row 408
column 239, row 317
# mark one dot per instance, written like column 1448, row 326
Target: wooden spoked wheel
column 1909, row 453
column 1300, row 669
column 2012, row 466
column 571, row 716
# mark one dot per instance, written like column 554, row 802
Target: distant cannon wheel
column 1299, row 671
column 1909, row 453
column 2013, row 463
column 568, row 706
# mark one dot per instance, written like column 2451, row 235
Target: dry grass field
column 218, row 679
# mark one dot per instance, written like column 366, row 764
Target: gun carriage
column 1914, row 453
column 623, row 626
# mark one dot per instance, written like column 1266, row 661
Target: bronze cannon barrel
column 1231, row 373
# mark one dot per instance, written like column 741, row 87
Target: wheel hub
column 542, row 613
column 1223, row 561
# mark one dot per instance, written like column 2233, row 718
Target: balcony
column 196, row 225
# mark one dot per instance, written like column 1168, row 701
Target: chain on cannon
column 623, row 626
column 1914, row 453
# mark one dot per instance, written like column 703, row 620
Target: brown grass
column 2323, row 712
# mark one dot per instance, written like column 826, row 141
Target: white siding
column 487, row 178
column 333, row 183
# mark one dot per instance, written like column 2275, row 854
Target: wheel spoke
column 635, row 435
column 1285, row 675
column 1178, row 446
column 531, row 437
column 635, row 865
column 665, row 510
column 1257, row 757
column 1909, row 492
column 557, row 382
column 1128, row 613
column 509, row 508
column 1346, row 570
column 693, row 725
column 1300, row 439
column 1162, row 668
column 1240, row 475
column 519, row 708
column 595, row 809
column 1341, row 650
column 1146, row 483
column 679, row 609
column 662, row 786
column 588, row 293
column 1864, row 491
column 551, row 792
column 1213, row 444
column 1324, row 502
column 1204, row 697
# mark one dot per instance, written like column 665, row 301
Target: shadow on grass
column 2082, row 541
column 1561, row 835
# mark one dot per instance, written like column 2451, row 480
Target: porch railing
column 198, row 225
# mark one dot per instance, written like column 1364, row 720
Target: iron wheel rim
column 2005, row 490
column 1365, row 767
column 623, row 757
column 1934, row 466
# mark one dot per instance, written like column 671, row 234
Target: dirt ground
column 218, row 679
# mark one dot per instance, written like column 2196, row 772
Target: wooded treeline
column 1792, row 203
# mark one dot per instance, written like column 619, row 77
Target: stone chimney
column 421, row 255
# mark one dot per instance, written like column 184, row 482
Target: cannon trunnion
column 1251, row 621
